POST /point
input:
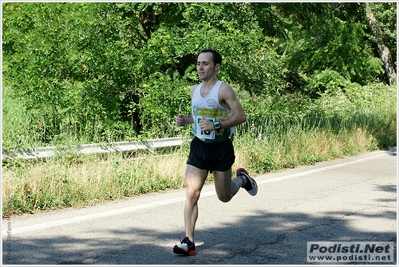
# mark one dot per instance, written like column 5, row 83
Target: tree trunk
column 385, row 54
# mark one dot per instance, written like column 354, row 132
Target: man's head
column 208, row 64
column 216, row 57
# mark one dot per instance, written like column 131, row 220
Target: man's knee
column 193, row 193
column 224, row 197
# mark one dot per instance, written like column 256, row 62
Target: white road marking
column 62, row 222
column 323, row 169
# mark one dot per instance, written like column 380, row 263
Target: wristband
column 217, row 125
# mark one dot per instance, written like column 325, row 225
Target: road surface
column 351, row 199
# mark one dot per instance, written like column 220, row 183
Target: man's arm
column 228, row 100
column 182, row 120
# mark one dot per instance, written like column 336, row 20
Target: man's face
column 205, row 66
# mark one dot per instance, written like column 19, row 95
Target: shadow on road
column 392, row 151
column 262, row 238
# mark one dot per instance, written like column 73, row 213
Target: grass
column 15, row 130
column 265, row 143
column 86, row 180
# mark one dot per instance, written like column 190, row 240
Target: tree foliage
column 122, row 70
column 331, row 36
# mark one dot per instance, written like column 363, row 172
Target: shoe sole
column 178, row 250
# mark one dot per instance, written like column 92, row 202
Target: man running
column 216, row 112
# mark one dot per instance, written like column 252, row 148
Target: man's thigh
column 195, row 177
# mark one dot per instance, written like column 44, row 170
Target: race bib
column 204, row 134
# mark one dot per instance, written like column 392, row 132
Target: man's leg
column 226, row 187
column 195, row 179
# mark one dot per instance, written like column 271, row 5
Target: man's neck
column 209, row 84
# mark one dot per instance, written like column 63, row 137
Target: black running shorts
column 217, row 156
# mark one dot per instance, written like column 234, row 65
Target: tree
column 383, row 49
column 99, row 67
column 108, row 68
column 329, row 36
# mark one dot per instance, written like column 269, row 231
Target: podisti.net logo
column 344, row 252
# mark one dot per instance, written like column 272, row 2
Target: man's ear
column 217, row 67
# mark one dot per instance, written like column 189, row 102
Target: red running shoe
column 186, row 247
column 250, row 185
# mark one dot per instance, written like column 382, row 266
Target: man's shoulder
column 225, row 87
column 192, row 89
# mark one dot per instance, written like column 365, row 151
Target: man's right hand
column 180, row 120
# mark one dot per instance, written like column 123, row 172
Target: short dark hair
column 216, row 57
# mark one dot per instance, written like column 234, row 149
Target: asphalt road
column 351, row 199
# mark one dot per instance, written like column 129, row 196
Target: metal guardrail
column 45, row 152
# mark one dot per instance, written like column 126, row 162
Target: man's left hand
column 206, row 125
